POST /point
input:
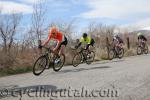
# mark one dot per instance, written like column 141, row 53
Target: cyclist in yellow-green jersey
column 87, row 40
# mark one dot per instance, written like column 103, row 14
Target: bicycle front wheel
column 59, row 62
column 121, row 53
column 40, row 65
column 77, row 60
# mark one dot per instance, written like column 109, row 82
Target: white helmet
column 116, row 34
column 139, row 34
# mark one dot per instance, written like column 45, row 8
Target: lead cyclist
column 59, row 37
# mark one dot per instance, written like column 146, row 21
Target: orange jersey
column 58, row 37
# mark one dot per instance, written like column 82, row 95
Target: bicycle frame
column 48, row 54
column 82, row 53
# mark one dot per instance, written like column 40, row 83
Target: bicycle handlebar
column 48, row 49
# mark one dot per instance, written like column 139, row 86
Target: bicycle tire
column 146, row 50
column 120, row 55
column 139, row 50
column 92, row 60
column 57, row 68
column 79, row 60
column 41, row 58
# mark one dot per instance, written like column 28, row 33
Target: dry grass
column 11, row 63
column 22, row 61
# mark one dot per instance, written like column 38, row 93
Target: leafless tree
column 38, row 20
column 8, row 29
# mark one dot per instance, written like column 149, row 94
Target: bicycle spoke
column 39, row 65
column 77, row 60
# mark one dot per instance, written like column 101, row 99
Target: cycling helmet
column 116, row 34
column 54, row 30
column 85, row 35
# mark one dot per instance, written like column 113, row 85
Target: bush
column 15, row 70
column 130, row 52
column 6, row 60
column 11, row 64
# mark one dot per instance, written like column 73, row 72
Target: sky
column 124, row 13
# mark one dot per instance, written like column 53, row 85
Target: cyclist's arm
column 47, row 41
column 81, row 41
column 87, row 46
column 145, row 38
column 78, row 45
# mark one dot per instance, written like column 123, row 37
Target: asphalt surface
column 119, row 79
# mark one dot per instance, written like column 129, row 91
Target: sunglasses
column 54, row 33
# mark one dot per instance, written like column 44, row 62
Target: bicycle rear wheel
column 139, row 50
column 90, row 57
column 146, row 50
column 40, row 65
column 120, row 53
column 77, row 59
column 59, row 62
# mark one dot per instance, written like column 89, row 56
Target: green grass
column 14, row 70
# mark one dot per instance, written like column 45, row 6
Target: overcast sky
column 111, row 12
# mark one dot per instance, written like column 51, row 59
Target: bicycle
column 45, row 60
column 142, row 48
column 115, row 52
column 83, row 56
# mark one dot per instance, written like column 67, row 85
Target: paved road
column 125, row 79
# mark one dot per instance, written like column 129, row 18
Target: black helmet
column 85, row 35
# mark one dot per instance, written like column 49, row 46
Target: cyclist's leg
column 117, row 47
column 55, row 56
column 115, row 43
column 143, row 43
column 62, row 50
column 140, row 42
column 92, row 44
column 120, row 45
column 89, row 46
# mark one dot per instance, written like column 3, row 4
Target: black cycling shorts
column 65, row 42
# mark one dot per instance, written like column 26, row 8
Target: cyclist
column 61, row 39
column 85, row 39
column 117, row 41
column 141, row 39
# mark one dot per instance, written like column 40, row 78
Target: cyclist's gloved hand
column 40, row 46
